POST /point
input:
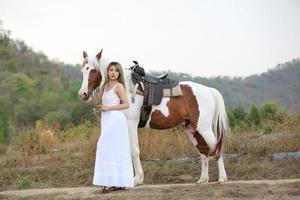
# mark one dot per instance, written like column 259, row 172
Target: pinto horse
column 200, row 110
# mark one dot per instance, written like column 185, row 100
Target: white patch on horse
column 85, row 72
column 189, row 131
column 163, row 108
column 192, row 138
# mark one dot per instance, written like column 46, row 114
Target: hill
column 280, row 85
column 35, row 89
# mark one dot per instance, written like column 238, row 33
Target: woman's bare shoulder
column 120, row 86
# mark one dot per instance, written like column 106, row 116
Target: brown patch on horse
column 181, row 108
column 201, row 146
column 193, row 111
column 94, row 79
column 191, row 104
column 177, row 113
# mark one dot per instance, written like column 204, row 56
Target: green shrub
column 267, row 127
column 254, row 116
column 23, row 182
column 4, row 127
column 270, row 111
column 81, row 112
column 60, row 117
column 83, row 130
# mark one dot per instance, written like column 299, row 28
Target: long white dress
column 113, row 165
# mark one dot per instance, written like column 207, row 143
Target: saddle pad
column 176, row 91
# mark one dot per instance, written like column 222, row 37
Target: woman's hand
column 103, row 108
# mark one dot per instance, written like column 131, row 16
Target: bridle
column 96, row 84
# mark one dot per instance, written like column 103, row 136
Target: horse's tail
column 220, row 122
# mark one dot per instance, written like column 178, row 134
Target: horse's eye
column 87, row 68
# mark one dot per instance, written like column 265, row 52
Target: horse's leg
column 204, row 178
column 222, row 172
column 135, row 152
column 211, row 141
column 203, row 150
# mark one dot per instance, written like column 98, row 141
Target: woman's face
column 113, row 73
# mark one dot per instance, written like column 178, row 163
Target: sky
column 199, row 37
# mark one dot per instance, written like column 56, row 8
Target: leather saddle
column 152, row 88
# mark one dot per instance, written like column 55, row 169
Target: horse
column 200, row 109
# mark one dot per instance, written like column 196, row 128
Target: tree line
column 34, row 89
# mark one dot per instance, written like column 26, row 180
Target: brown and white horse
column 201, row 110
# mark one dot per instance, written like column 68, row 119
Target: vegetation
column 33, row 89
column 280, row 85
column 23, row 182
column 55, row 158
column 48, row 136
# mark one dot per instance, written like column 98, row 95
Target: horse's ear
column 98, row 56
column 84, row 54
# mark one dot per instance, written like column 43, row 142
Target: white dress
column 113, row 165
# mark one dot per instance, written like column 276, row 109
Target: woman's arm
column 120, row 91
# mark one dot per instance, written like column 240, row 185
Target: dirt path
column 263, row 189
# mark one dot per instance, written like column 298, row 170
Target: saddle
column 152, row 88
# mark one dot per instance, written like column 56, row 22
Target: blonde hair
column 119, row 69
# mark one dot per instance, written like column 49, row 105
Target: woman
column 113, row 165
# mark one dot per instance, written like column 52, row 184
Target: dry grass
column 67, row 158
column 165, row 144
column 3, row 148
column 285, row 138
column 157, row 144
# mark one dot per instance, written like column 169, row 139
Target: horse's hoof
column 203, row 180
column 138, row 182
column 222, row 180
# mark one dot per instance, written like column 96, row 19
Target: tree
column 254, row 116
column 4, row 35
column 4, row 125
column 19, row 85
column 270, row 111
column 236, row 117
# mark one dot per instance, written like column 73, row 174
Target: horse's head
column 92, row 76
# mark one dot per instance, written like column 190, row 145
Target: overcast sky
column 204, row 38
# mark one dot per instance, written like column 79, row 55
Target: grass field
column 48, row 157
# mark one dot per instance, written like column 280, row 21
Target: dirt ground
column 253, row 189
